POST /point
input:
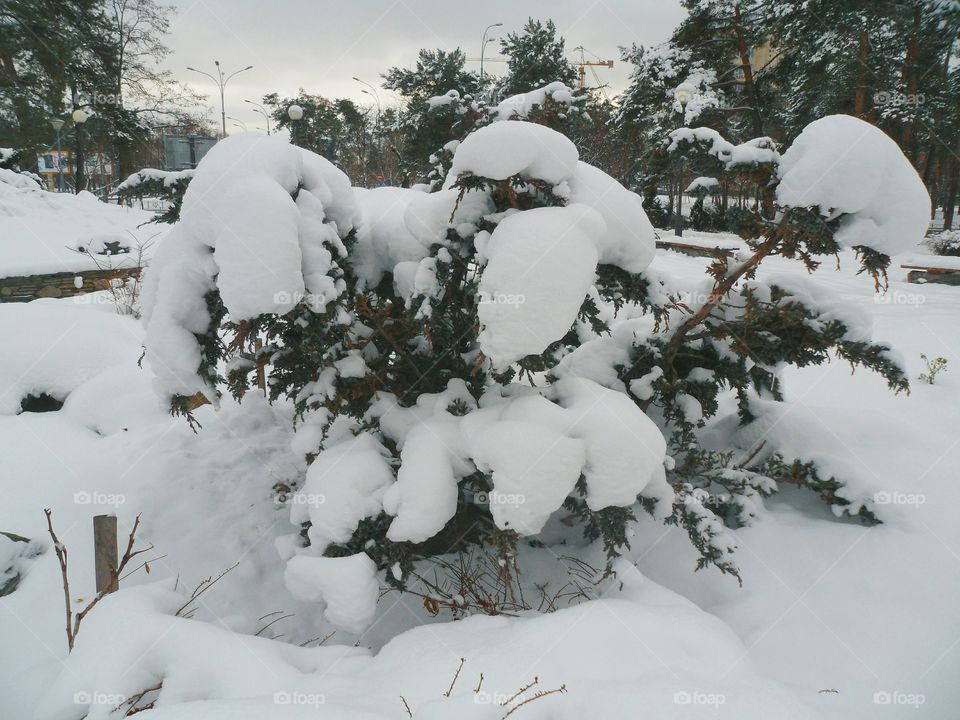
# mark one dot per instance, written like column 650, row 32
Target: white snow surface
column 844, row 165
column 39, row 230
column 805, row 620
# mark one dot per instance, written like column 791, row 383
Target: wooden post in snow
column 105, row 553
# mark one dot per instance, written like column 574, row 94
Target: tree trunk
column 748, row 82
column 910, row 62
column 950, row 201
column 863, row 53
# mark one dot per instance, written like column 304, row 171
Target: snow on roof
column 40, row 230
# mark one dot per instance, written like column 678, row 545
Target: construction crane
column 583, row 64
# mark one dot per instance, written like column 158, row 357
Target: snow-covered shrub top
column 515, row 107
column 521, row 105
column 20, row 180
column 753, row 152
column 504, row 149
column 353, row 289
column 167, row 177
column 702, row 183
column 262, row 223
column 541, row 263
column 844, row 166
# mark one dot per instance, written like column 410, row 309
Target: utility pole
column 221, row 80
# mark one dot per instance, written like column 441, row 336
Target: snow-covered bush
column 945, row 242
column 166, row 185
column 465, row 363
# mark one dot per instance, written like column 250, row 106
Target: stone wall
column 30, row 287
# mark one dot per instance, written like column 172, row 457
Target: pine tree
column 423, row 132
column 536, row 56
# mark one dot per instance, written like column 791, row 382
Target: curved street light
column 221, row 80
column 259, row 109
column 483, row 45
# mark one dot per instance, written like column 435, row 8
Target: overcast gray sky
column 321, row 44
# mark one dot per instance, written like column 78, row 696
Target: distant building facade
column 183, row 152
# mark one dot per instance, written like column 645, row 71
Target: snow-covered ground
column 44, row 232
column 834, row 619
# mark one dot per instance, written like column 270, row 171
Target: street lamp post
column 682, row 94
column 79, row 160
column 57, row 124
column 238, row 122
column 483, row 45
column 259, row 109
column 372, row 92
column 295, row 113
column 221, row 80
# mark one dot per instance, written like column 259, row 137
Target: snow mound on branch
column 167, row 177
column 520, row 105
column 347, row 586
column 504, row 149
column 845, row 166
column 262, row 221
column 625, row 449
column 541, row 265
column 535, row 444
column 629, row 241
column 399, row 225
column 344, row 485
column 752, row 152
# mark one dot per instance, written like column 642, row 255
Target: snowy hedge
column 467, row 362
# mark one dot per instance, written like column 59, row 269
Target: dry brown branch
column 275, row 620
column 199, row 590
column 73, row 621
column 520, row 692
column 131, row 702
column 543, row 693
column 455, row 676
column 405, row 706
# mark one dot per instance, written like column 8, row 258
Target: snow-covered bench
column 695, row 250
column 942, row 269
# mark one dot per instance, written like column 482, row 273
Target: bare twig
column 73, row 621
column 61, row 551
column 200, row 590
column 520, row 692
column 455, row 676
column 405, row 706
column 543, row 693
